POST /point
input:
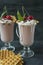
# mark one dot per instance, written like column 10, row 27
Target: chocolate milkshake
column 26, row 25
column 26, row 32
column 7, row 30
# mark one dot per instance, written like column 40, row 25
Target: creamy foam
column 5, row 21
column 27, row 22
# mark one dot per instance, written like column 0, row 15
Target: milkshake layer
column 7, row 31
column 26, row 32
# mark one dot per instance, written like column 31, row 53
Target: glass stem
column 7, row 44
column 26, row 49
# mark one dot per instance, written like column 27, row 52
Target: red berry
column 8, row 17
column 30, row 17
column 4, row 17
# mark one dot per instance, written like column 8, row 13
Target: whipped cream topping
column 5, row 21
column 31, row 22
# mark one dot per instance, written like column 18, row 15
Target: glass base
column 27, row 53
column 8, row 48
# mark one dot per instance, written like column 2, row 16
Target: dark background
column 34, row 7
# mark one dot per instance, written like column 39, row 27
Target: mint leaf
column 19, row 16
column 23, row 10
column 4, row 12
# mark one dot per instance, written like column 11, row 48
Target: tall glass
column 26, row 36
column 7, row 35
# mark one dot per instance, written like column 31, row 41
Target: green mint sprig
column 4, row 12
column 19, row 16
column 23, row 10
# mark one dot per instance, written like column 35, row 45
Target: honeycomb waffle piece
column 13, row 18
column 10, row 58
column 13, row 60
column 1, row 61
column 20, row 63
column 5, row 53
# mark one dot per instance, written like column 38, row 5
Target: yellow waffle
column 13, row 18
column 1, row 61
column 10, row 58
column 5, row 54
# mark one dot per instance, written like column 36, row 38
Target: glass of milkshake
column 7, row 32
column 26, row 36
